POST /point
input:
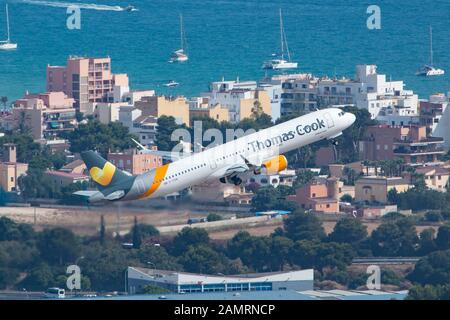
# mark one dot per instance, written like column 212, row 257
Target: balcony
column 419, row 143
column 415, row 151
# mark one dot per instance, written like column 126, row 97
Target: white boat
column 171, row 83
column 130, row 8
column 281, row 62
column 7, row 44
column 429, row 70
column 180, row 55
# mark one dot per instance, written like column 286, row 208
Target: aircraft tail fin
column 104, row 173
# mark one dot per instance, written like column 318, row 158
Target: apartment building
column 135, row 162
column 216, row 112
column 46, row 115
column 410, row 143
column 86, row 80
column 241, row 103
column 158, row 106
column 144, row 127
column 303, row 93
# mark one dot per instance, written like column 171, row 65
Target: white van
column 55, row 293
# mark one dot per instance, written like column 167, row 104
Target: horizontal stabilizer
column 91, row 196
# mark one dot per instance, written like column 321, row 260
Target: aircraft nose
column 351, row 118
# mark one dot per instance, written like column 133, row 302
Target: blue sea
column 227, row 38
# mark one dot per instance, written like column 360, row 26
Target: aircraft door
column 212, row 162
column 329, row 120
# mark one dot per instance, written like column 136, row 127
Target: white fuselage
column 261, row 146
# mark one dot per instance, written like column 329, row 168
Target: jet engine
column 274, row 165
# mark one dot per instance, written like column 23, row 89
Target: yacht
column 281, row 62
column 171, row 83
column 130, row 8
column 180, row 55
column 7, row 44
column 429, row 70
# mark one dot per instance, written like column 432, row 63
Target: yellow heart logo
column 103, row 176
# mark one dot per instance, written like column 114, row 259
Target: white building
column 303, row 93
column 144, row 127
column 183, row 282
column 274, row 91
column 286, row 178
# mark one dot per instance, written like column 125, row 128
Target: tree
column 433, row 216
column 166, row 126
column 26, row 147
column 347, row 198
column 304, row 253
column 4, row 101
column 348, row 143
column 102, row 229
column 8, row 277
column 157, row 257
column 317, row 255
column 432, row 269
column 203, row 259
column 427, row 242
column 334, row 255
column 58, row 246
column 281, row 248
column 394, row 238
column 105, row 265
column 213, row 217
column 303, row 226
column 153, row 289
column 189, row 237
column 303, row 178
column 443, row 237
column 270, row 198
column 137, row 237
column 429, row 292
column 39, row 279
column 254, row 252
column 418, row 199
column 348, row 230
column 265, row 199
column 103, row 138
column 10, row 230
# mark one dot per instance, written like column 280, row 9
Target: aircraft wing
column 166, row 155
column 237, row 169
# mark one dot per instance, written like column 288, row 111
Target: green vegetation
column 100, row 137
column 419, row 199
column 167, row 125
column 214, row 217
column 270, row 198
column 37, row 260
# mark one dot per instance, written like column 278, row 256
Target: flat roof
column 193, row 278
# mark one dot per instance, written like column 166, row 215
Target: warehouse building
column 183, row 282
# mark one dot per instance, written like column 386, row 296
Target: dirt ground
column 86, row 221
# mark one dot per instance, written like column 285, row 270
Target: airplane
column 255, row 153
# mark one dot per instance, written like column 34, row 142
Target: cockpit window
column 340, row 114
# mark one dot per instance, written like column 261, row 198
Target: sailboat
column 180, row 54
column 281, row 63
column 7, row 44
column 428, row 69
